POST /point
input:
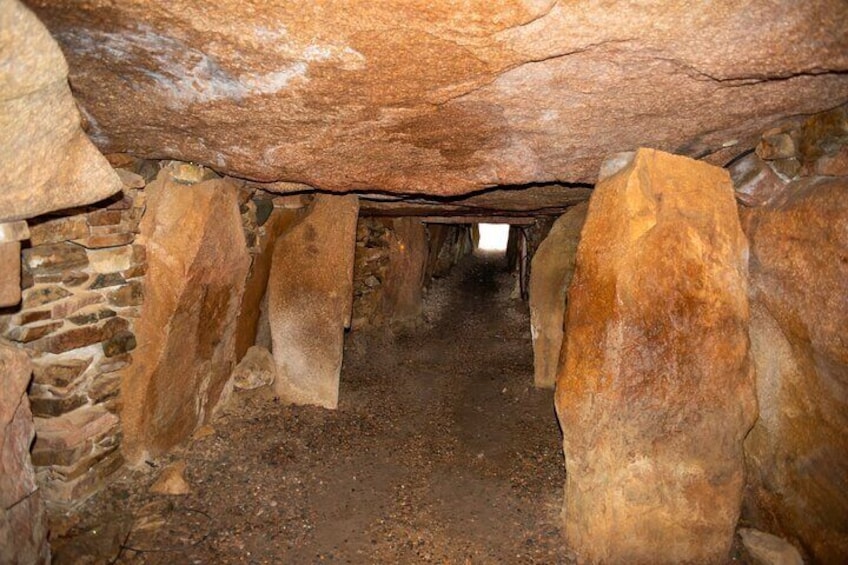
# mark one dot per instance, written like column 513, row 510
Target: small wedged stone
column 106, row 217
column 754, row 182
column 72, row 305
column 55, row 258
column 54, row 230
column 112, row 260
column 27, row 334
column 131, row 294
column 59, row 374
column 52, row 406
column 130, row 179
column 76, row 491
column 91, row 315
column 106, row 385
column 80, row 337
column 30, row 317
column 120, row 343
column 776, row 146
column 106, row 240
column 767, row 549
column 73, row 429
column 105, row 280
column 39, row 296
column 172, row 480
column 256, row 369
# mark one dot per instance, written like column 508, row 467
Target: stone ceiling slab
column 442, row 98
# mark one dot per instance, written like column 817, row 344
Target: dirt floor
column 441, row 451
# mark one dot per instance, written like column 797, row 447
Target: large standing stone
column 797, row 453
column 407, row 254
column 656, row 392
column 46, row 161
column 257, row 281
column 550, row 277
column 23, row 529
column 310, row 293
column 197, row 264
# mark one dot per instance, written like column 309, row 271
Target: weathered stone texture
column 23, row 528
column 197, row 264
column 256, row 369
column 797, row 453
column 550, row 277
column 277, row 222
column 389, row 271
column 46, row 161
column 402, row 292
column 309, row 300
column 443, row 97
column 656, row 392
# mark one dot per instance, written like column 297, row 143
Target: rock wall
column 795, row 213
column 448, row 244
column 197, row 266
column 310, row 294
column 46, row 163
column 82, row 277
column 389, row 268
column 23, row 531
column 550, row 276
column 656, row 392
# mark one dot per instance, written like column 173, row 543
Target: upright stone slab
column 197, row 265
column 550, row 277
column 656, row 391
column 310, row 293
column 403, row 289
column 797, row 453
column 23, row 528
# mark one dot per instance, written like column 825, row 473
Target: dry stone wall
column 394, row 262
column 82, row 277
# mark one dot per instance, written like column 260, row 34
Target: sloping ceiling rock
column 442, row 98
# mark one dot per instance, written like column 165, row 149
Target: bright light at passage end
column 493, row 237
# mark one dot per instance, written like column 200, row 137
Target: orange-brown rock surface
column 442, row 97
column 656, row 392
column 310, row 294
column 197, row 265
column 46, row 161
column 23, row 528
column 797, row 453
column 407, row 256
column 550, row 277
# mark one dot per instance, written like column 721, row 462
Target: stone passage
column 656, row 391
column 309, row 300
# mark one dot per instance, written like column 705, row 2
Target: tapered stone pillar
column 310, row 293
column 656, row 391
column 550, row 277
